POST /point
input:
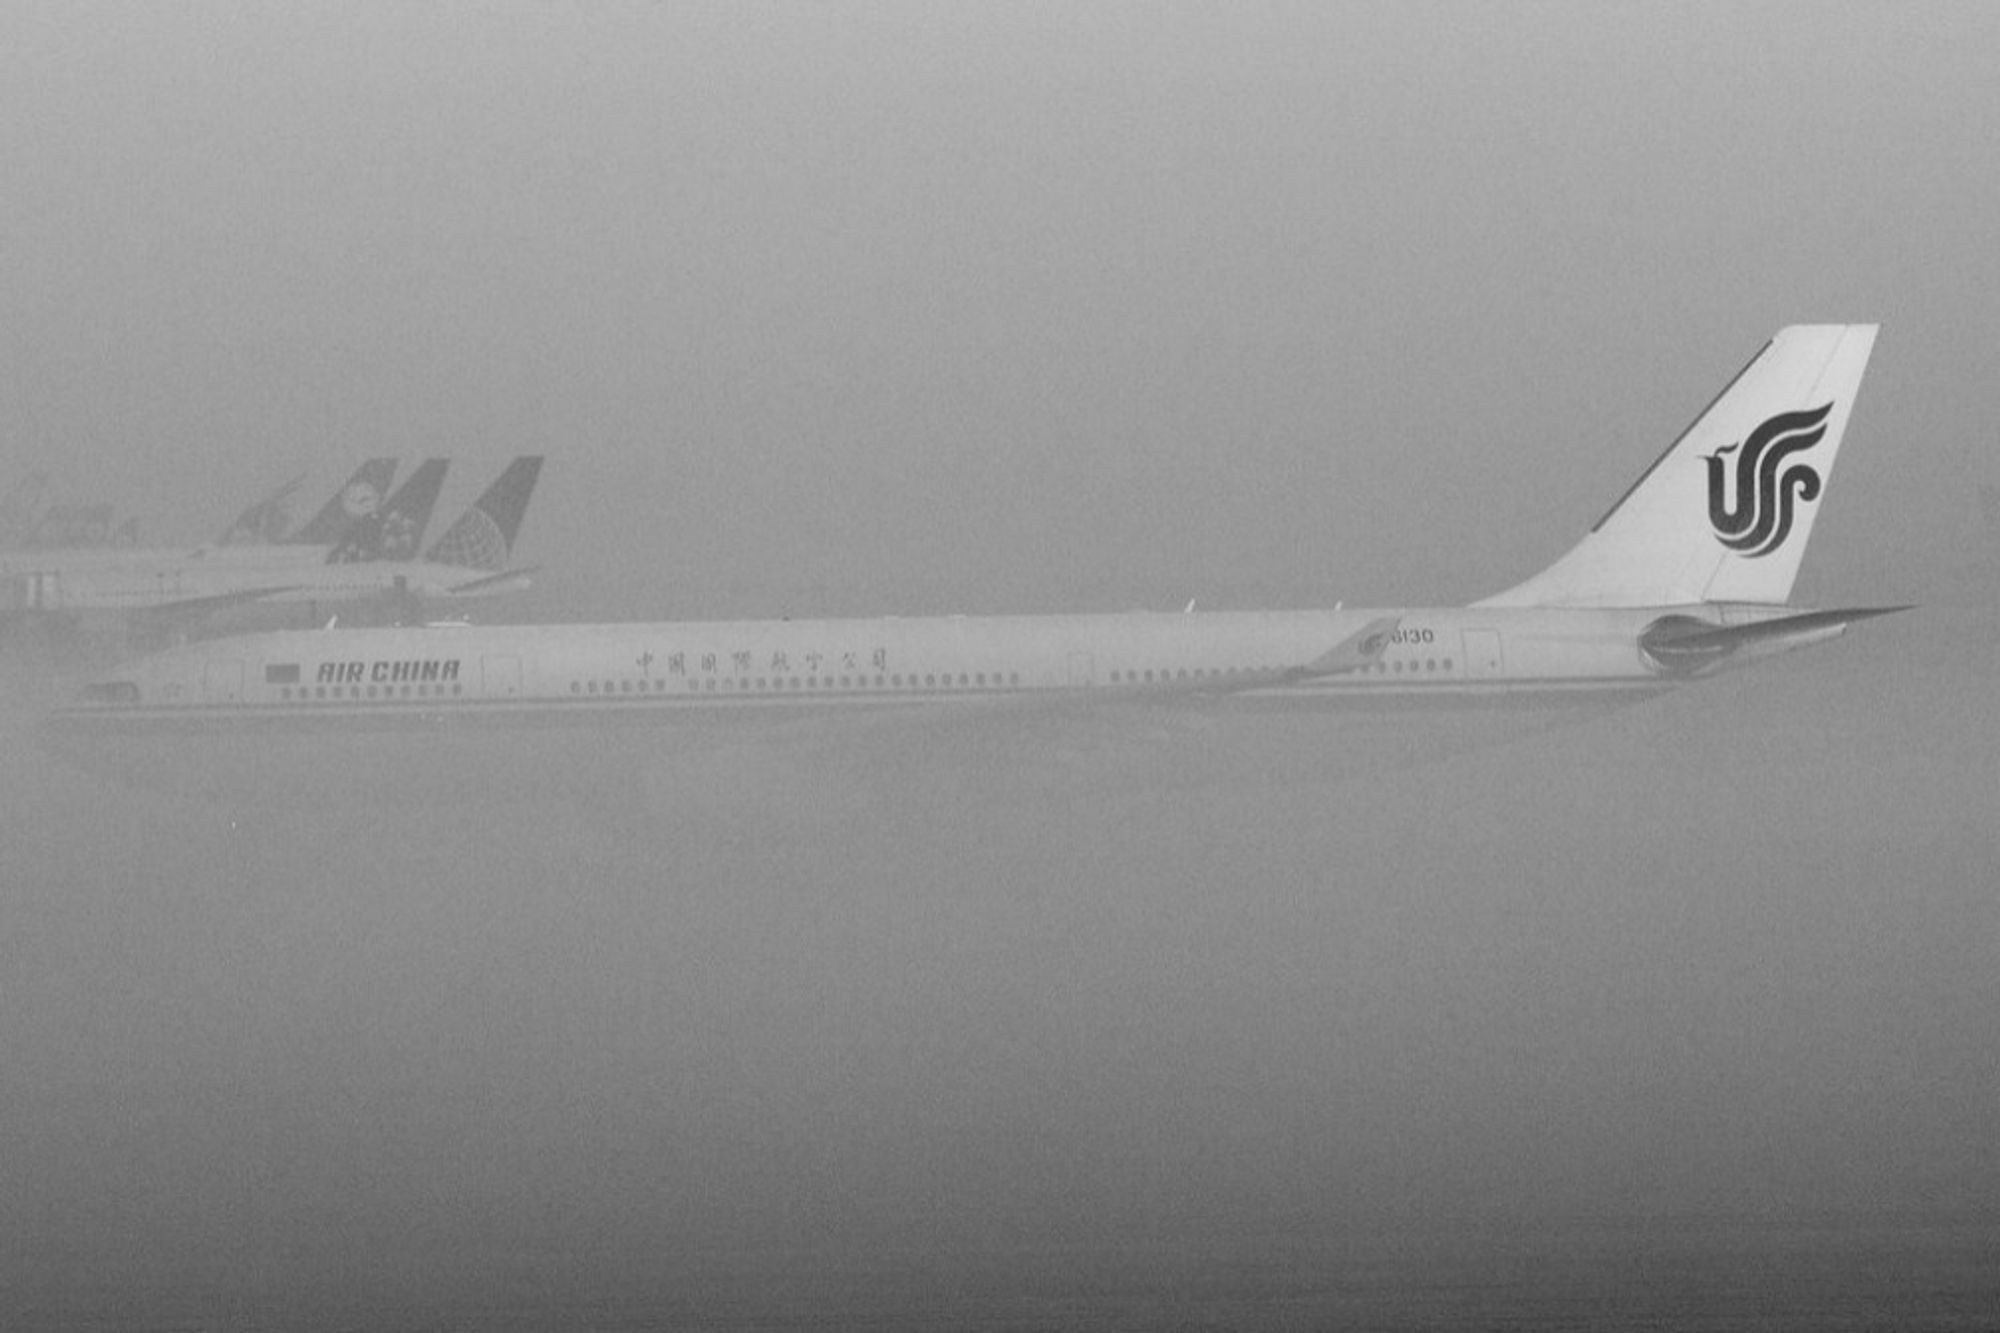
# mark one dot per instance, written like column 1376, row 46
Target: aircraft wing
column 1107, row 730
column 194, row 608
column 506, row 580
column 1359, row 649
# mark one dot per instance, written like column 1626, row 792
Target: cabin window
column 282, row 673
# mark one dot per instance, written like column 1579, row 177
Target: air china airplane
column 372, row 555
column 1687, row 574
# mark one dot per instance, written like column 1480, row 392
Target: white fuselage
column 115, row 582
column 621, row 672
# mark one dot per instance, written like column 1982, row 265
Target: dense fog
column 925, row 309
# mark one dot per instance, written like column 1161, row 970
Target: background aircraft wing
column 195, row 608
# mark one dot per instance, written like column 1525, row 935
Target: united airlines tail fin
column 359, row 497
column 1724, row 514
column 483, row 536
column 396, row 530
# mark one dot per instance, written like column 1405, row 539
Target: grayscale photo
column 915, row 665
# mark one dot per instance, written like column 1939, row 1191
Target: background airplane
column 174, row 591
column 29, row 518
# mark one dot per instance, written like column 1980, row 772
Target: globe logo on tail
column 1767, row 488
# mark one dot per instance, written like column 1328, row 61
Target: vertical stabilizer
column 358, row 498
column 396, row 530
column 264, row 521
column 483, row 536
column 1724, row 514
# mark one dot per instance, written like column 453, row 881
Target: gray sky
column 1010, row 307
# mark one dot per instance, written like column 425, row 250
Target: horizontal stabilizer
column 1682, row 644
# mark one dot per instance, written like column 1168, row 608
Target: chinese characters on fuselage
column 781, row 661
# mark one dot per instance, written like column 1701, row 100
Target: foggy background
column 1005, row 308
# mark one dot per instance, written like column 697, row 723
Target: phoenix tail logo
column 1766, row 488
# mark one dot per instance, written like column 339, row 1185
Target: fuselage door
column 35, row 590
column 503, row 677
column 222, row 682
column 1482, row 653
column 1081, row 669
